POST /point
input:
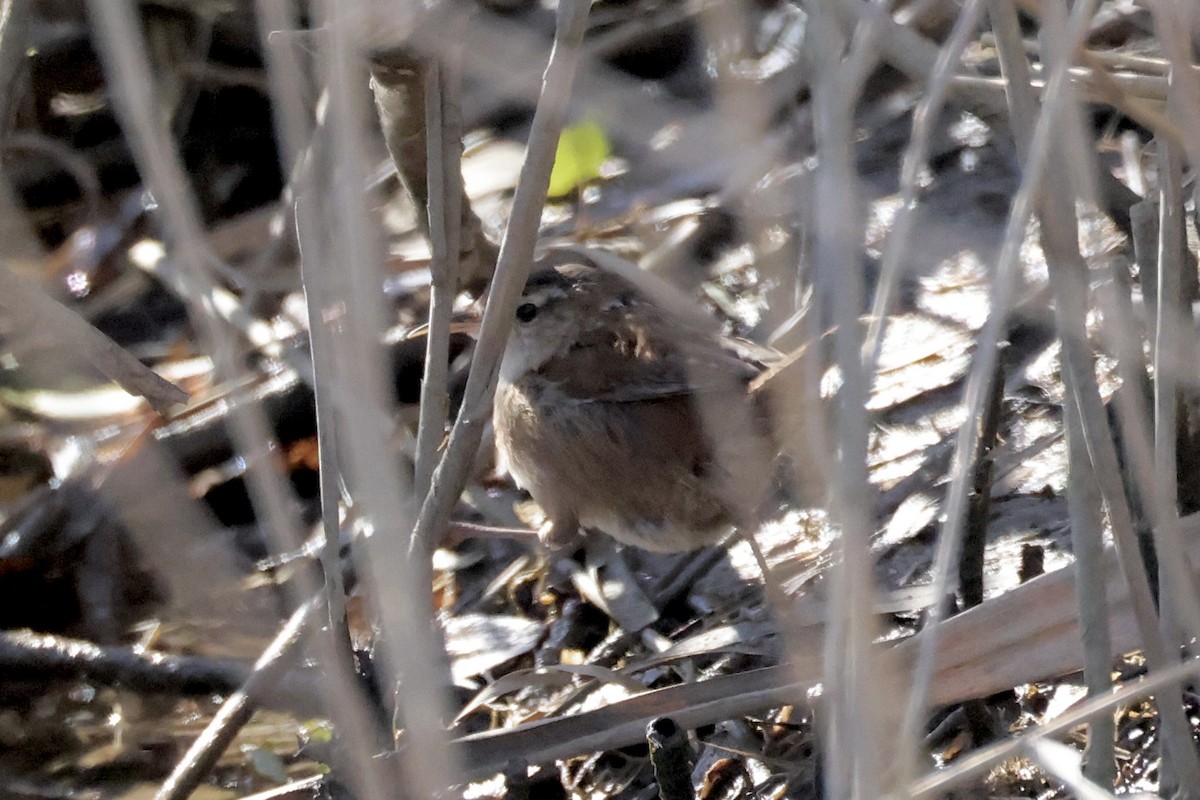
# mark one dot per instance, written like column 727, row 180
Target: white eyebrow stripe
column 540, row 296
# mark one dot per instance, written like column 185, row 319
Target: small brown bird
column 619, row 416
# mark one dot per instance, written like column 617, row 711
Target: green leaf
column 582, row 148
column 317, row 731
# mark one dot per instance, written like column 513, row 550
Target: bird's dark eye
column 526, row 312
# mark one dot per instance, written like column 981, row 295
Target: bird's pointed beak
column 461, row 322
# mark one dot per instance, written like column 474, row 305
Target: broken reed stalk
column 28, row 308
column 970, row 562
column 671, row 757
column 971, row 558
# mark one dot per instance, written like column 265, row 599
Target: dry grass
column 921, row 208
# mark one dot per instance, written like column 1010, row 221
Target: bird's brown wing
column 616, row 360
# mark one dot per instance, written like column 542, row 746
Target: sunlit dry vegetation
column 260, row 264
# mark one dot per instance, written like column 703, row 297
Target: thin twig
column 237, row 709
column 443, row 138
column 970, row 563
column 303, row 789
column 457, row 532
column 431, row 425
column 916, row 156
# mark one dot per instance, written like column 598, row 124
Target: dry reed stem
column 133, row 89
column 1003, row 284
column 30, row 309
column 1070, row 283
column 512, row 268
column 294, row 126
column 443, row 137
column 352, row 308
column 861, row 736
